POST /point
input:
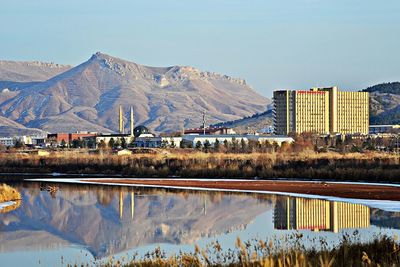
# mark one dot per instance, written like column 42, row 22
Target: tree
column 63, row 144
column 19, row 144
column 243, row 145
column 75, row 143
column 164, row 144
column 132, row 141
column 117, row 143
column 198, row 145
column 123, row 142
column 235, row 144
column 226, row 144
column 102, row 145
column 111, row 143
column 172, row 143
column 216, row 145
column 206, row 145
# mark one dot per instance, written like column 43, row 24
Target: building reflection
column 316, row 214
column 121, row 204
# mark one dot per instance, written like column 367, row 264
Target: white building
column 7, row 141
column 377, row 129
column 161, row 141
column 193, row 139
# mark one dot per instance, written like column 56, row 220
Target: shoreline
column 345, row 190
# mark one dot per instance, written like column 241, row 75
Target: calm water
column 60, row 224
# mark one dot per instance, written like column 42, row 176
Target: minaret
column 121, row 123
column 132, row 121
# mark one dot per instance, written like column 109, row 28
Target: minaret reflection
column 132, row 204
column 316, row 214
column 121, row 204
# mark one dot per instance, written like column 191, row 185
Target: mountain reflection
column 109, row 220
column 316, row 214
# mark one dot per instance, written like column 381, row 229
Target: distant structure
column 384, row 129
column 67, row 138
column 140, row 130
column 321, row 110
column 316, row 215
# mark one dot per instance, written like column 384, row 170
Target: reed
column 381, row 251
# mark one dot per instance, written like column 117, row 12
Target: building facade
column 321, row 110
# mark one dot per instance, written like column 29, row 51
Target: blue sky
column 272, row 44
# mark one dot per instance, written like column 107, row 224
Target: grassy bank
column 382, row 251
column 370, row 166
column 7, row 193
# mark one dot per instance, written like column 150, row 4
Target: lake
column 56, row 224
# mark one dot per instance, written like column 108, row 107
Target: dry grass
column 382, row 251
column 7, row 193
column 371, row 166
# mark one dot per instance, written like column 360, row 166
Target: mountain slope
column 384, row 103
column 29, row 71
column 87, row 97
column 254, row 123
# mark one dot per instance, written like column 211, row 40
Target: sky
column 272, row 44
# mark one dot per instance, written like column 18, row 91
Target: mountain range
column 61, row 98
column 37, row 97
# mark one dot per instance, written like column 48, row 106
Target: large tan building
column 321, row 110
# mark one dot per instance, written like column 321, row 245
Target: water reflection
column 110, row 220
column 316, row 214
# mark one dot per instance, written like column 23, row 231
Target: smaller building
column 58, row 138
column 382, row 129
column 7, row 141
column 147, row 141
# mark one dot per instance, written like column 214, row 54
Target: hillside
column 384, row 103
column 255, row 123
column 87, row 97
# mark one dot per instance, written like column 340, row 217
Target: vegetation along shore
column 380, row 251
column 355, row 166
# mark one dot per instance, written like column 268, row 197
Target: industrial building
column 321, row 110
column 317, row 214
column 57, row 138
